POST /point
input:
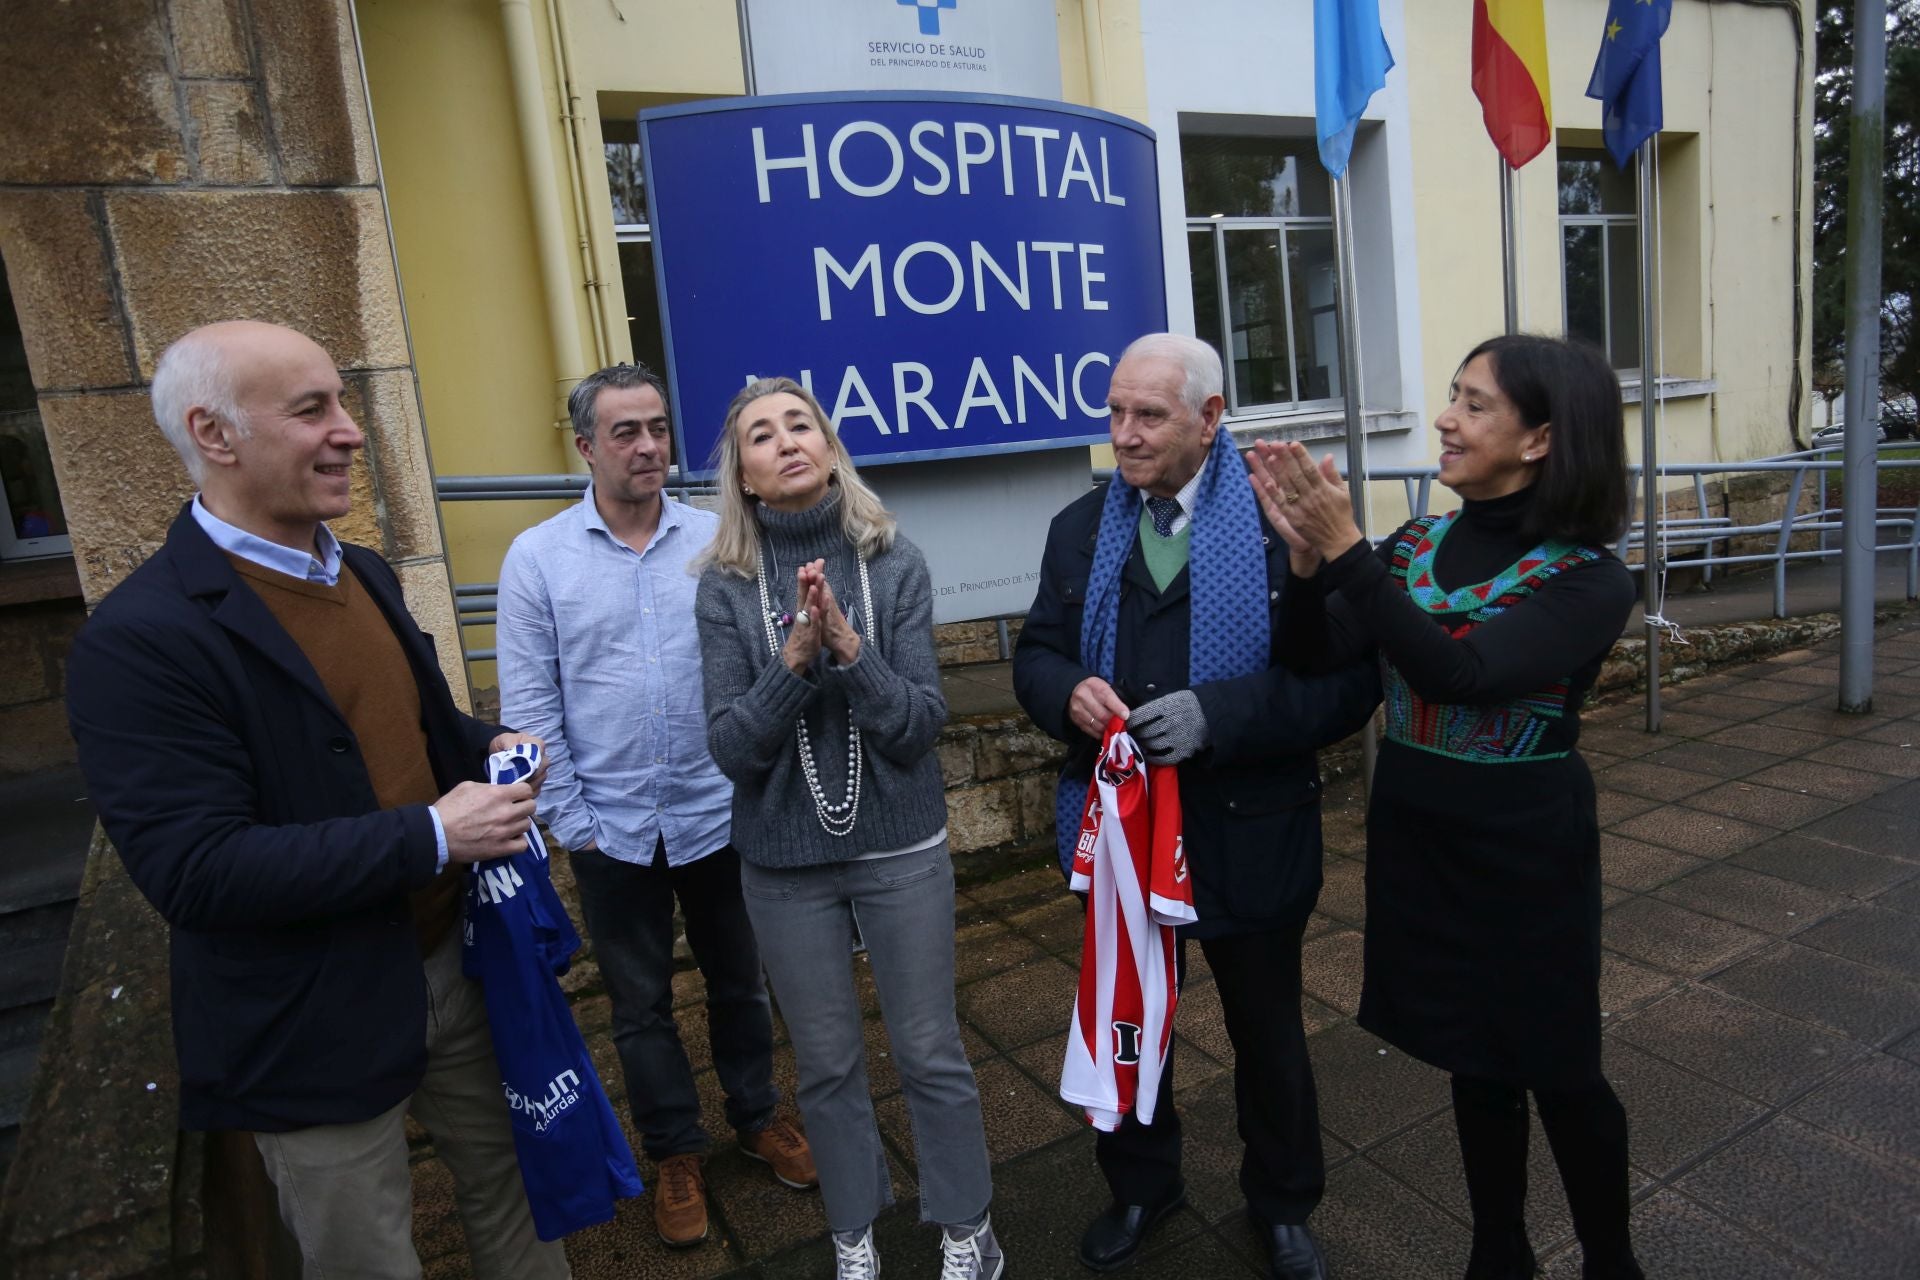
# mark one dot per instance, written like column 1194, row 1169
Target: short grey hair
column 585, row 396
column 1198, row 361
column 194, row 373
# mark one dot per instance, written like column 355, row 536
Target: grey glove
column 1170, row 729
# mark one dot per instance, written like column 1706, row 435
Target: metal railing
column 1699, row 534
column 539, row 488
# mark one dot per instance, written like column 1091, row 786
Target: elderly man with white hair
column 1158, row 603
column 273, row 751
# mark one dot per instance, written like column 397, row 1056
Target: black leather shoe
column 1116, row 1235
column 1295, row 1253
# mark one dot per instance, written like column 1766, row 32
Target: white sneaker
column 854, row 1255
column 971, row 1255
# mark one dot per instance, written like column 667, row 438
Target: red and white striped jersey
column 1132, row 865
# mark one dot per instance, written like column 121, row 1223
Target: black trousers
column 629, row 911
column 1282, row 1172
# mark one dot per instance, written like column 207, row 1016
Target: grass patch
column 1899, row 486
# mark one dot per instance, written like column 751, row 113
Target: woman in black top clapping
column 1483, row 872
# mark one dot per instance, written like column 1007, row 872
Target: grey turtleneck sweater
column 891, row 691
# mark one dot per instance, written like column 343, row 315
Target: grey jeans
column 804, row 918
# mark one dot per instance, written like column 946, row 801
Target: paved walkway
column 1761, row 985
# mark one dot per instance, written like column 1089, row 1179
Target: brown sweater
column 359, row 660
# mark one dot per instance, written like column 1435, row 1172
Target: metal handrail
column 476, row 602
column 541, row 488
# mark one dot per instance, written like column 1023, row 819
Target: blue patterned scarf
column 1229, row 626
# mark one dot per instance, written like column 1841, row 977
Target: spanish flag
column 1510, row 76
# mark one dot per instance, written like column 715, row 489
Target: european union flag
column 1626, row 75
column 1350, row 62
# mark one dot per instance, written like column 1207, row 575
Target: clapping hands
column 818, row 622
column 1307, row 504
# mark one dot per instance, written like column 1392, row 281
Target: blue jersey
column 574, row 1159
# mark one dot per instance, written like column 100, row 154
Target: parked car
column 1835, row 436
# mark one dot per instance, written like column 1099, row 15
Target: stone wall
column 961, row 643
column 999, row 772
column 168, row 163
column 1758, row 498
column 40, row 610
column 165, row 164
column 1742, row 500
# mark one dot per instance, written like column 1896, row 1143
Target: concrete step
column 23, row 1025
column 43, row 854
column 16, row 1080
column 33, row 944
column 20, row 1032
column 43, row 842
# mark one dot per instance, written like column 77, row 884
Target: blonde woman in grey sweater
column 823, row 707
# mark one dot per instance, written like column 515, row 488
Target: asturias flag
column 1510, row 76
column 1350, row 63
column 1626, row 75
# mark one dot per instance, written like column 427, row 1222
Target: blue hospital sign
column 949, row 275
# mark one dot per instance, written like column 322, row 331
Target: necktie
column 1164, row 512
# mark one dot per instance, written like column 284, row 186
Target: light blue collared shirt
column 1189, row 497
column 599, row 657
column 323, row 568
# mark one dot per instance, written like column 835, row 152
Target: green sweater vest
column 1166, row 557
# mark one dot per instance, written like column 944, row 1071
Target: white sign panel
column 982, row 523
column 963, row 46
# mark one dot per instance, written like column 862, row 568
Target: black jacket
column 1251, row 801
column 240, row 803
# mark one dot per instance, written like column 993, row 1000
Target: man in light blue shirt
column 599, row 656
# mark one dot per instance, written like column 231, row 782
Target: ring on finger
column 802, row 617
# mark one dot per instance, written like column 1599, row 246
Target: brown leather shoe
column 783, row 1148
column 680, row 1202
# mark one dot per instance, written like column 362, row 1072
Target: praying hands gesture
column 818, row 623
column 1306, row 504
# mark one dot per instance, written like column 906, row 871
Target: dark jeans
column 629, row 910
column 1282, row 1172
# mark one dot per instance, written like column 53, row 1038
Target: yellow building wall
column 463, row 232
column 1727, row 198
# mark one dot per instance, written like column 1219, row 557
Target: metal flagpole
column 746, row 47
column 1509, row 252
column 1352, row 394
column 1350, row 349
column 1860, row 451
column 1650, row 515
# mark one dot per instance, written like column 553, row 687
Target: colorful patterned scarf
column 1230, row 628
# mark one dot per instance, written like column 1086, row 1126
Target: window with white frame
column 31, row 521
column 626, row 179
column 1265, row 283
column 1600, row 254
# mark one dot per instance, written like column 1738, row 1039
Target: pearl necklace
column 837, row 819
